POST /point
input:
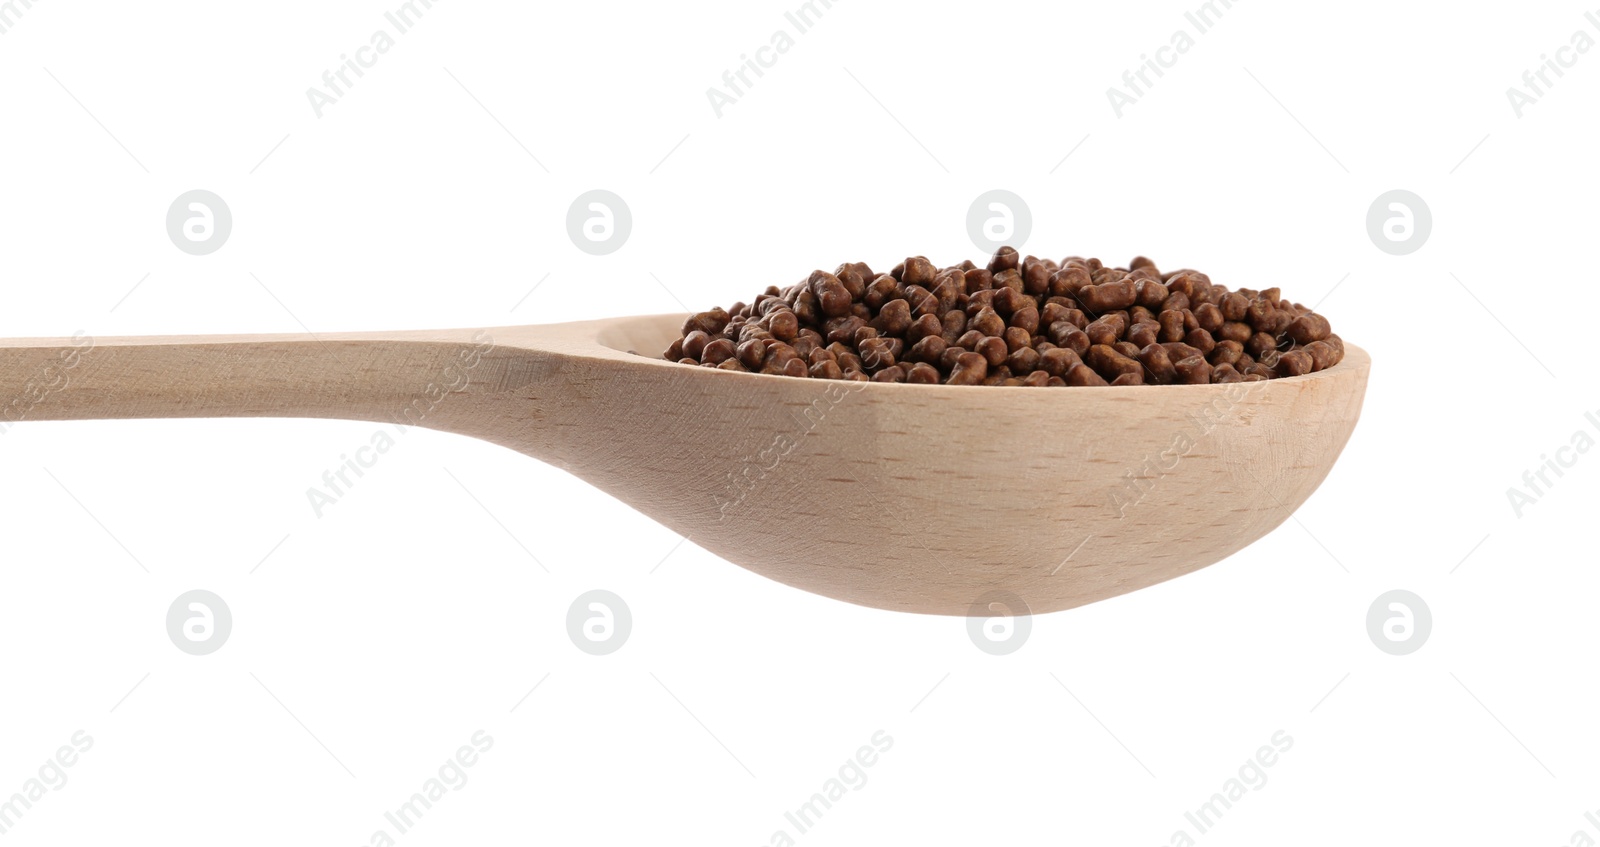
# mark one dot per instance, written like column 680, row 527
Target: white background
column 370, row 643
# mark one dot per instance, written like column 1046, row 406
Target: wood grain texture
column 917, row 498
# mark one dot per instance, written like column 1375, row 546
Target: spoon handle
column 382, row 376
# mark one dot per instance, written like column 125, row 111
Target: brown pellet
column 1025, row 318
column 1053, row 311
column 978, row 279
column 833, row 298
column 988, row 322
column 1208, row 317
column 924, row 373
column 1172, row 325
column 1067, row 281
column 1076, row 340
column 783, row 325
column 1035, row 278
column 1144, row 333
column 993, row 350
column 1235, row 306
column 694, row 344
column 927, row 350
column 827, row 370
column 717, row 351
column 1152, row 294
column 1260, row 343
column 918, row 270
column 1308, row 328
column 1200, row 340
column 1057, row 361
column 1107, row 329
column 1109, row 363
column 1193, row 370
column 955, row 323
column 1015, row 321
column 1109, row 296
column 1225, row 353
column 921, row 301
column 843, row 328
column 1295, row 363
column 875, row 354
column 1178, row 350
column 1155, row 359
column 1024, row 361
column 893, row 319
column 854, row 275
column 709, row 322
column 1017, row 338
column 970, row 369
column 881, row 290
column 1005, row 259
column 1321, row 355
column 1083, row 375
column 924, row 327
column 1236, row 331
column 752, row 353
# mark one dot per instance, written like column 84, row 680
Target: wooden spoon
column 916, row 498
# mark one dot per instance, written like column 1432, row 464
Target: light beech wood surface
column 917, row 498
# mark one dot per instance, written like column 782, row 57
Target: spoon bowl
column 918, row 498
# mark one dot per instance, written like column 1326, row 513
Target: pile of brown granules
column 1018, row 321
